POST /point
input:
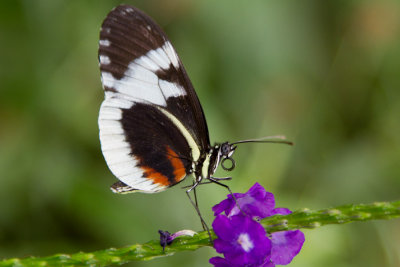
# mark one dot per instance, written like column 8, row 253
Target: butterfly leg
column 207, row 182
column 221, row 178
column 215, row 180
column 196, row 207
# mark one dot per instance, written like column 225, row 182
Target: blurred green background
column 324, row 73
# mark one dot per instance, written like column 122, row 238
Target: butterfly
column 153, row 131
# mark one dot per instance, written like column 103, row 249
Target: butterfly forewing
column 152, row 126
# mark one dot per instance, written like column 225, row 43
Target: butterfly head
column 225, row 153
column 222, row 153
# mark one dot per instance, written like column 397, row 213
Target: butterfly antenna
column 276, row 139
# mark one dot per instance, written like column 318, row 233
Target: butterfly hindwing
column 152, row 126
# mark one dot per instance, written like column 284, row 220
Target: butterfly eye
column 233, row 164
column 227, row 150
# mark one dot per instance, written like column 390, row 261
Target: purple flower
column 241, row 239
column 166, row 238
column 255, row 203
column 285, row 246
column 221, row 262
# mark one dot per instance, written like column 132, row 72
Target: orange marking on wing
column 155, row 176
column 177, row 164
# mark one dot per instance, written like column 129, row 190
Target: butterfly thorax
column 209, row 161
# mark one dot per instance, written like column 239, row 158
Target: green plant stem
column 152, row 249
column 343, row 214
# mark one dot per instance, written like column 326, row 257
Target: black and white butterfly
column 153, row 131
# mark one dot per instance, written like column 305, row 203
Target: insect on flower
column 153, row 131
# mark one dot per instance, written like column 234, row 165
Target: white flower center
column 245, row 242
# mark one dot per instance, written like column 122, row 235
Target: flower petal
column 248, row 243
column 280, row 211
column 223, row 227
column 220, row 262
column 268, row 263
column 256, row 202
column 222, row 206
column 286, row 245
